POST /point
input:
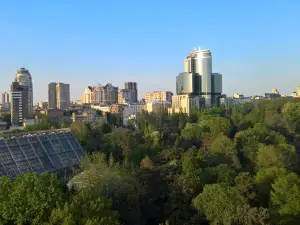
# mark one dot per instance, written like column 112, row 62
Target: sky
column 255, row 44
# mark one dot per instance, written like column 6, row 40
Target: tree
column 85, row 208
column 285, row 197
column 281, row 156
column 263, row 183
column 222, row 150
column 147, row 163
column 225, row 205
column 291, row 112
column 80, row 130
column 219, row 204
column 30, row 198
column 244, row 183
column 215, row 125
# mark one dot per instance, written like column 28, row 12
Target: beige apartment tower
column 159, row 96
column 59, row 96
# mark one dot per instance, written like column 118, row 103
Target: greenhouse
column 39, row 153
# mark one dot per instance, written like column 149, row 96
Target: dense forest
column 215, row 166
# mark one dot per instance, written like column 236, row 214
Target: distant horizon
column 255, row 45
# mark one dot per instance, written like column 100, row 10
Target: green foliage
column 281, row 156
column 263, row 182
column 225, row 205
column 85, row 208
column 285, row 197
column 30, row 198
column 236, row 166
column 215, row 125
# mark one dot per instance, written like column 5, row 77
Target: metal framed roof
column 39, row 153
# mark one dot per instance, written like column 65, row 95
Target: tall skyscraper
column 198, row 79
column 197, row 86
column 19, row 103
column 59, row 96
column 23, row 77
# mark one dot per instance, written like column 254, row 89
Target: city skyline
column 253, row 43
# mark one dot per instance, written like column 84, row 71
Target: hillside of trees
column 216, row 166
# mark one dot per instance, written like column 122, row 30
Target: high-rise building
column 19, row 103
column 23, row 77
column 198, row 79
column 59, row 96
column 52, row 96
column 109, row 94
column 129, row 94
column 5, row 101
column 92, row 95
column 159, row 96
column 100, row 95
column 5, row 98
column 62, row 96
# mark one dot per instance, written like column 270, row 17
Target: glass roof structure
column 39, row 153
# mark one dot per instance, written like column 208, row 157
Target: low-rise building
column 158, row 106
column 31, row 122
column 3, row 125
column 185, row 103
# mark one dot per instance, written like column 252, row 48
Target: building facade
column 59, row 96
column 129, row 94
column 158, row 106
column 198, row 79
column 159, row 96
column 109, row 94
column 5, row 101
column 19, row 103
column 23, row 77
column 52, row 96
column 186, row 103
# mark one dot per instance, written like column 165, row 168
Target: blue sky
column 255, row 44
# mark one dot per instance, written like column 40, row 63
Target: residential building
column 127, row 96
column 31, row 122
column 100, row 95
column 43, row 105
column 59, row 96
column 62, row 96
column 3, row 126
column 159, row 96
column 130, row 93
column 298, row 91
column 186, row 103
column 19, row 103
column 5, row 101
column 238, row 96
column 158, row 106
column 131, row 110
column 23, row 77
column 109, row 94
column 92, row 95
column 52, row 96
